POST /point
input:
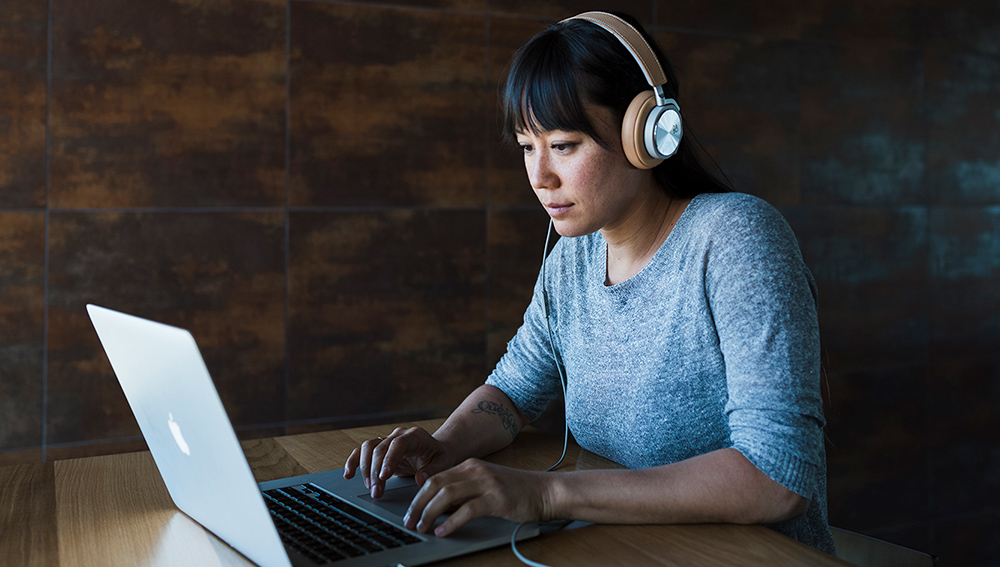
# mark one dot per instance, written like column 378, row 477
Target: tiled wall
column 317, row 190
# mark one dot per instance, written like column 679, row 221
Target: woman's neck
column 633, row 242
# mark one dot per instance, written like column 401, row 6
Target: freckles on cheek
column 603, row 176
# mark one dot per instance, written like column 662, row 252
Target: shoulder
column 735, row 228
column 738, row 218
column 734, row 211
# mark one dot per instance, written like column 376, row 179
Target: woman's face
column 583, row 186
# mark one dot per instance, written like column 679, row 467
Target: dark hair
column 570, row 63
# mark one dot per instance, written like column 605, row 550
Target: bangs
column 542, row 90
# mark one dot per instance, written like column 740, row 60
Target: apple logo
column 176, row 431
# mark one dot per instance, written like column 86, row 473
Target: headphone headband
column 651, row 128
column 636, row 45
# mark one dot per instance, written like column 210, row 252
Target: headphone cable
column 562, row 382
column 552, row 347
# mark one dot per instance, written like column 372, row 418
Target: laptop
column 314, row 519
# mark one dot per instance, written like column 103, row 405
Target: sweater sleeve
column 527, row 372
column 763, row 302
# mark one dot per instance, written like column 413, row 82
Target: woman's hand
column 405, row 452
column 477, row 488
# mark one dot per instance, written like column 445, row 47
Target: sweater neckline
column 602, row 266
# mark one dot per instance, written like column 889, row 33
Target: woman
column 682, row 314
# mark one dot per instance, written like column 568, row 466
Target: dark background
column 317, row 190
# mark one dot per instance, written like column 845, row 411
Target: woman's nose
column 540, row 172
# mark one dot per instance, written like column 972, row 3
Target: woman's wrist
column 446, row 451
column 555, row 497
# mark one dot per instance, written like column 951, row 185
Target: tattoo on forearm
column 506, row 417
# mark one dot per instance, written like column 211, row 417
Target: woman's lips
column 557, row 209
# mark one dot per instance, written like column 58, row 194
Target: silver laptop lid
column 188, row 432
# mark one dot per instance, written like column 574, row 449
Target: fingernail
column 367, row 484
column 384, row 474
column 425, row 475
column 406, row 519
column 439, row 531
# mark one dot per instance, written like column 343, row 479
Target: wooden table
column 114, row 510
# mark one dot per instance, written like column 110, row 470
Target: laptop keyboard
column 326, row 529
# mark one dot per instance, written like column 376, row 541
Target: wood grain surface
column 114, row 510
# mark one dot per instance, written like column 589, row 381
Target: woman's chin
column 568, row 229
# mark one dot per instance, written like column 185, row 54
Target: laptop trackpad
column 400, row 492
column 395, row 500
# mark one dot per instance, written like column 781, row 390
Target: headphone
column 651, row 130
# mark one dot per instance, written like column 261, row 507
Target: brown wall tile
column 967, row 26
column 165, row 103
column 220, row 275
column 964, row 270
column 964, row 416
column 769, row 18
column 22, row 285
column 877, row 450
column 870, row 266
column 508, row 184
column 468, row 5
column 740, row 100
column 555, row 10
column 387, row 311
column 861, row 125
column 22, row 103
column 387, row 106
column 963, row 114
column 968, row 540
column 891, row 22
column 515, row 257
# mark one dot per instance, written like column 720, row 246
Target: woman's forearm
column 484, row 423
column 721, row 486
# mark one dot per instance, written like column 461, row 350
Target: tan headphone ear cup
column 633, row 127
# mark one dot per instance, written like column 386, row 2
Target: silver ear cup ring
column 663, row 130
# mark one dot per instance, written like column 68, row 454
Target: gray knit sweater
column 713, row 344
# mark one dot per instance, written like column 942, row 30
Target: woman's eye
column 562, row 147
column 526, row 148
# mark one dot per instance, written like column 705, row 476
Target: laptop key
column 360, row 518
column 325, row 529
